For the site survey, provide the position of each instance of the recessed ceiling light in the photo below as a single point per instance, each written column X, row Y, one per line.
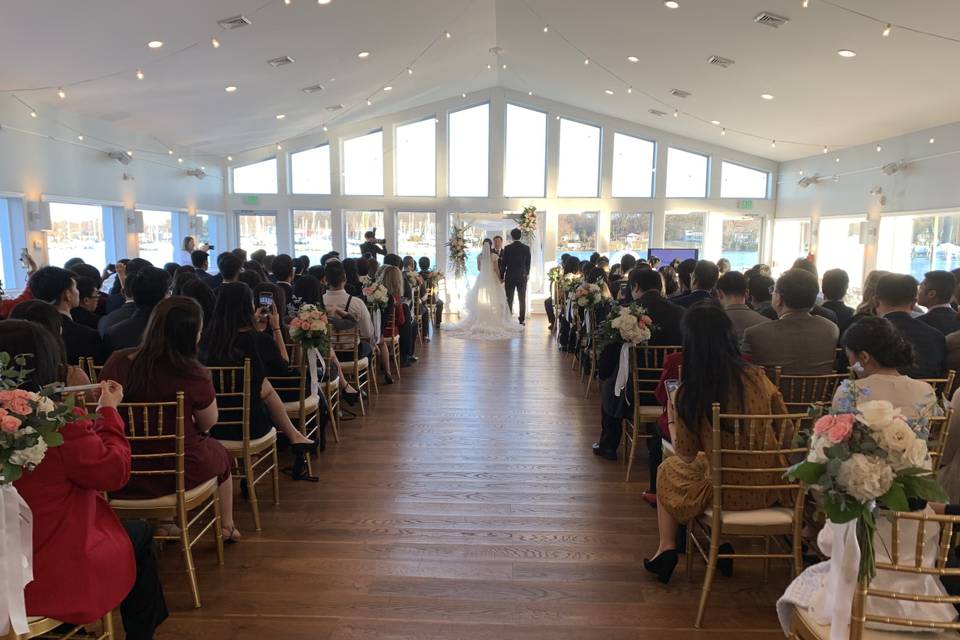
column 281, row 116
column 609, row 92
column 766, row 96
column 155, row 44
column 715, row 122
column 363, row 54
column 847, row 53
column 323, row 1
column 80, row 138
column 633, row 58
column 139, row 74
column 229, row 158
column 932, row 140
column 230, row 88
column 671, row 4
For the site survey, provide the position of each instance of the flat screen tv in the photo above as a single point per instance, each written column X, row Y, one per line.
column 669, row 255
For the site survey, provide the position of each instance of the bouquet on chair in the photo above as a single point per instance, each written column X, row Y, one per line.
column 413, row 279
column 377, row 297
column 587, row 295
column 630, row 324
column 571, row 281
column 311, row 329
column 555, row 274
column 864, row 456
column 433, row 282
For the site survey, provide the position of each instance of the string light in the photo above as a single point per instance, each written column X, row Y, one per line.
column 33, row 114
column 886, row 30
column 586, row 61
column 546, row 28
column 879, row 148
column 463, row 95
column 837, row 159
column 325, row 128
column 504, row 66
column 723, row 131
column 61, row 93
column 169, row 152
column 932, row 140
column 80, row 137
column 279, row 147
column 825, row 149
column 287, row 2
column 447, row 35
column 215, row 43
column 369, row 102
column 676, row 113
column 773, row 144
column 805, row 4
column 139, row 74
column 629, row 89
column 529, row 93
column 230, row 158
column 409, row 71
column 180, row 160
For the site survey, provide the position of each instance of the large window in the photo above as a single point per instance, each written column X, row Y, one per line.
column 312, row 234
column 363, row 165
column 417, row 234
column 526, row 153
column 258, row 231
column 629, row 233
column 791, row 240
column 577, row 234
column 416, row 159
column 256, row 178
column 686, row 174
column 579, row 170
column 738, row 181
column 917, row 244
column 358, row 223
column 740, row 242
column 633, row 162
column 156, row 241
column 684, row 231
column 310, row 171
column 838, row 247
column 76, row 232
column 469, row 152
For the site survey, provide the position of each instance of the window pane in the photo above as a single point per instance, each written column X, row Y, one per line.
column 156, row 241
column 417, row 234
column 208, row 234
column 526, row 153
column 686, row 174
column 633, row 160
column 579, row 171
column 629, row 233
column 577, row 234
column 312, row 234
column 358, row 223
column 258, row 232
column 310, row 171
column 469, row 152
column 363, row 165
column 76, row 232
column 839, row 247
column 684, row 231
column 741, row 242
column 416, row 159
column 917, row 244
column 791, row 240
column 737, row 181
column 256, row 178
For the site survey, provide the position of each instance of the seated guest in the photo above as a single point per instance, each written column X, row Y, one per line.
column 307, row 290
column 149, row 287
column 85, row 314
column 283, row 274
column 760, row 299
column 118, row 296
column 50, row 319
column 869, row 305
column 250, row 278
column 723, row 266
column 817, row 310
column 685, row 274
column 799, row 343
column 393, row 281
column 300, row 266
column 59, row 287
column 936, row 292
column 204, row 296
column 180, row 278
column 671, row 285
column 877, row 348
column 124, row 311
column 229, row 265
column 164, row 364
column 713, row 371
column 835, row 284
column 433, row 296
column 86, row 562
column 896, row 295
column 339, row 303
column 350, row 267
column 257, row 268
column 703, row 279
column 732, row 295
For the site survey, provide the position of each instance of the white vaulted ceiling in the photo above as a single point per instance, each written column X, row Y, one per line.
column 894, row 85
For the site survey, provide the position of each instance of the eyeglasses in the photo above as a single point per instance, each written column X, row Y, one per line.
column 773, row 289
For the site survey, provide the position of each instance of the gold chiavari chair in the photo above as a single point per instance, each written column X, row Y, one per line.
column 393, row 345
column 764, row 473
column 330, row 388
column 355, row 369
column 942, row 386
column 92, row 369
column 909, row 533
column 43, row 627
column 646, row 365
column 304, row 412
column 416, row 308
column 939, row 427
column 254, row 459
column 158, row 452
column 592, row 354
column 576, row 337
column 801, row 392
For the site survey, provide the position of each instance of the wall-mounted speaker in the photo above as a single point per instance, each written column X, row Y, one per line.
column 38, row 216
column 134, row 220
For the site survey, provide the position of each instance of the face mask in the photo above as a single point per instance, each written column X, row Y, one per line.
column 857, row 369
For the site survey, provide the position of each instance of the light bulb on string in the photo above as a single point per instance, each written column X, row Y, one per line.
column 180, row 160
column 886, row 30
column 325, row 128
column 773, row 144
column 805, row 4
column 629, row 89
column 139, row 74
column 214, row 43
column 279, row 147
column 723, row 131
column 586, row 61
column 80, row 137
column 504, row 66
column 825, row 149
column 287, row 2
column 409, row 71
column 61, row 93
column 447, row 35
column 879, row 148
column 230, row 158
column 33, row 114
column 529, row 93
column 463, row 95
column 676, row 113
column 546, row 28
column 369, row 102
column 169, row 152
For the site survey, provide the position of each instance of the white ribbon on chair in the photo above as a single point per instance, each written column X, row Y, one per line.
column 624, row 371
column 834, row 608
column 586, row 321
column 377, row 317
column 312, row 356
column 570, row 310
column 16, row 559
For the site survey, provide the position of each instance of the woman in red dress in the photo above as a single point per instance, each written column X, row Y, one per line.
column 393, row 281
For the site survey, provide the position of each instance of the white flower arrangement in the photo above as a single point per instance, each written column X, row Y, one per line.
column 377, row 297
column 527, row 222
column 588, row 295
column 633, row 323
column 457, row 246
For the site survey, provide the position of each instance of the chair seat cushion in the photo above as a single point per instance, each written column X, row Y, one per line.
column 770, row 517
column 169, row 500
column 362, row 363
column 805, row 619
column 235, row 447
column 310, row 405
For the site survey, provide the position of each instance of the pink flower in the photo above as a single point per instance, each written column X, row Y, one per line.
column 6, row 396
column 647, row 320
column 296, row 323
column 21, row 406
column 837, row 428
column 9, row 423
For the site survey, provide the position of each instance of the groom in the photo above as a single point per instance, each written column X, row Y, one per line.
column 514, row 271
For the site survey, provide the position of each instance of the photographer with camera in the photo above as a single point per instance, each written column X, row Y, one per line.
column 372, row 244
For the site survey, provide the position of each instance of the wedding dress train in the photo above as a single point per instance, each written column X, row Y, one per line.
column 488, row 315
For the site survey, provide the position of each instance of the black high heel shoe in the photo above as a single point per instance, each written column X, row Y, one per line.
column 300, row 469
column 351, row 398
column 663, row 565
column 387, row 379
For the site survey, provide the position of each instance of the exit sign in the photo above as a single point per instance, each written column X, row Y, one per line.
column 746, row 205
column 251, row 199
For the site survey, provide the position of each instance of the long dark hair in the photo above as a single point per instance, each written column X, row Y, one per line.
column 350, row 268
column 309, row 290
column 233, row 314
column 879, row 338
column 169, row 345
column 20, row 337
column 49, row 318
column 711, row 363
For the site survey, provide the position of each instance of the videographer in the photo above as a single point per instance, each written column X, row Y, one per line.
column 372, row 244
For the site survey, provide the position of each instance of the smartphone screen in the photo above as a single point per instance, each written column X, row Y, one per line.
column 266, row 299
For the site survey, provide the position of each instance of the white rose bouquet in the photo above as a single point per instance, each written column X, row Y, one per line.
column 863, row 457
column 587, row 295
column 457, row 246
column 377, row 297
column 527, row 222
column 555, row 274
column 629, row 324
column 311, row 329
column 570, row 282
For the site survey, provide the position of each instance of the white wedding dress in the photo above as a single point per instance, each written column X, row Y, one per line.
column 488, row 315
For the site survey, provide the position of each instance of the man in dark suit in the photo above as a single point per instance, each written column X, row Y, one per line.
column 515, row 270
column 702, row 281
column 59, row 287
column 896, row 295
column 201, row 262
column 283, row 271
column 150, row 286
column 935, row 294
column 432, row 297
column 372, row 244
column 834, row 286
column 760, row 289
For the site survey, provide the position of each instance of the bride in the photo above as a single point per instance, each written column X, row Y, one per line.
column 488, row 314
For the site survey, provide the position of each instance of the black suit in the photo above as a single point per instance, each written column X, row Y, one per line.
column 515, row 270
column 129, row 333
column 81, row 341
column 825, row 313
column 843, row 312
column 372, row 248
column 943, row 319
column 929, row 346
column 690, row 299
column 666, row 316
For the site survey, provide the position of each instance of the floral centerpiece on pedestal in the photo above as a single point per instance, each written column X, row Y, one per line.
column 863, row 457
column 377, row 297
column 310, row 328
column 457, row 246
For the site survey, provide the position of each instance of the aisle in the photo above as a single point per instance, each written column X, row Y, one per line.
column 468, row 506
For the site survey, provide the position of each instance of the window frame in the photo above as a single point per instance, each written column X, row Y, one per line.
column 489, row 105
column 709, row 174
column 600, row 148
column 546, row 147
column 767, row 190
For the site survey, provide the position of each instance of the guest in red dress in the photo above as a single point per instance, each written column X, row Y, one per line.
column 86, row 562
column 155, row 371
column 393, row 281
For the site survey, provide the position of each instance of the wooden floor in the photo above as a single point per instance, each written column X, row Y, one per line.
column 468, row 506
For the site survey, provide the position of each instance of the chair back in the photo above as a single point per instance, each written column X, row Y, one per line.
column 155, row 431
column 646, row 365
column 800, row 392
column 939, row 427
column 346, row 341
column 911, row 534
column 92, row 369
column 389, row 321
column 942, row 386
column 232, row 386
